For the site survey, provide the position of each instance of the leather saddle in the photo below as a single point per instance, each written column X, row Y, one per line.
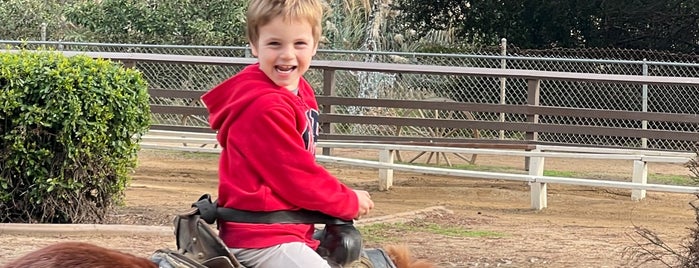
column 198, row 245
column 197, row 241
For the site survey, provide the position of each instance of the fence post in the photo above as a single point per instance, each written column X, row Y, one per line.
column 386, row 174
column 503, row 65
column 640, row 175
column 248, row 52
column 644, row 99
column 533, row 92
column 328, row 90
column 43, row 31
column 538, row 189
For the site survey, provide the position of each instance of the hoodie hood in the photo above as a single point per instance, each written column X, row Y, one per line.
column 226, row 101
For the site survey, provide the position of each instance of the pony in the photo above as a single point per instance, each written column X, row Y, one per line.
column 86, row 255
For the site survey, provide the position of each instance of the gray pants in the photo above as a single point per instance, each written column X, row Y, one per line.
column 291, row 255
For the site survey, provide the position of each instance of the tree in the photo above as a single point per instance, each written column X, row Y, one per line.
column 642, row 24
column 22, row 19
column 665, row 25
column 176, row 22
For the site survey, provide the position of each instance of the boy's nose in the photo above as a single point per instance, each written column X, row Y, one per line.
column 287, row 52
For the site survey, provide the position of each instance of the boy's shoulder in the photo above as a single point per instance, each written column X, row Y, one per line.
column 269, row 99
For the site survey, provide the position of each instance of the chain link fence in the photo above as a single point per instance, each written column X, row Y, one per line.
column 625, row 97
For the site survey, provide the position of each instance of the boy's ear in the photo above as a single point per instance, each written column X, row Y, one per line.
column 253, row 47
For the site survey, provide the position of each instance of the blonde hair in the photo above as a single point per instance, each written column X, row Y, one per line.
column 261, row 12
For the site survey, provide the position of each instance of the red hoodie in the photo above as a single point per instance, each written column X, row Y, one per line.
column 268, row 137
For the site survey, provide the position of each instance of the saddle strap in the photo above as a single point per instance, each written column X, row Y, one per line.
column 210, row 212
column 281, row 216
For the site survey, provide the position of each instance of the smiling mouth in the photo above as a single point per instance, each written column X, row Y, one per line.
column 285, row 68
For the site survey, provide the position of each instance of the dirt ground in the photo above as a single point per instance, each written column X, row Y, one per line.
column 582, row 226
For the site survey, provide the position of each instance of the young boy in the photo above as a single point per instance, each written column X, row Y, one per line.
column 267, row 122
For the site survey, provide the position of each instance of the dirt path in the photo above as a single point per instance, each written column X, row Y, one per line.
column 582, row 226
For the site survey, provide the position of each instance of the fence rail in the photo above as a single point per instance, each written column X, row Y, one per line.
column 206, row 142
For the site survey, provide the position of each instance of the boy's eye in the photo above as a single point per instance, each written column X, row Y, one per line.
column 300, row 43
column 273, row 43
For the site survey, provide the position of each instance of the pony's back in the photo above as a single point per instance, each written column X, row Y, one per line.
column 78, row 255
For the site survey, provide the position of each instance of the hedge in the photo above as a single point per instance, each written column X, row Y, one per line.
column 69, row 133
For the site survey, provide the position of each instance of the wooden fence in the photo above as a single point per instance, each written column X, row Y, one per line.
column 532, row 110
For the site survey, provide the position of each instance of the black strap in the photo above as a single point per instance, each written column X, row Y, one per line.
column 210, row 212
column 281, row 216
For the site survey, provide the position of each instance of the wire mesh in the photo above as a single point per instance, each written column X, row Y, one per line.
column 625, row 97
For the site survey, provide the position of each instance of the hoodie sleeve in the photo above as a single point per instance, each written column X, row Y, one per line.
column 291, row 172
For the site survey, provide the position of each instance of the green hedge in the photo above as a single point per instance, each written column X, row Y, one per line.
column 66, row 128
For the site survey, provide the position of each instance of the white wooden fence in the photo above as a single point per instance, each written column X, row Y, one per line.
column 205, row 142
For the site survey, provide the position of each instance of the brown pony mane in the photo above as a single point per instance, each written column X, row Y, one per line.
column 402, row 257
column 78, row 255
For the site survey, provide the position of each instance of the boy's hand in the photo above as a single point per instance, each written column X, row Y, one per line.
column 365, row 203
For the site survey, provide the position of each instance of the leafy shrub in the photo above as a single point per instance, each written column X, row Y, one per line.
column 66, row 135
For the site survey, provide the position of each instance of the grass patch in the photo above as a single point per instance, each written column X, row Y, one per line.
column 455, row 231
column 655, row 178
column 559, row 173
column 680, row 180
column 383, row 232
column 509, row 170
column 672, row 179
column 379, row 233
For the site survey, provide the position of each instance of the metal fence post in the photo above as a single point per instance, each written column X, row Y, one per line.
column 644, row 108
column 503, row 65
column 43, row 31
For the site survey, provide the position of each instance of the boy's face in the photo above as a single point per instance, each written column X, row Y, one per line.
column 284, row 50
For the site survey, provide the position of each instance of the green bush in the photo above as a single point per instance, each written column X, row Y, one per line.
column 66, row 135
